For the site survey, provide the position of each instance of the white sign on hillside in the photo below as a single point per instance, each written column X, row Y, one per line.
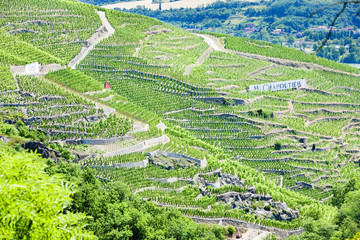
column 279, row 86
column 32, row 68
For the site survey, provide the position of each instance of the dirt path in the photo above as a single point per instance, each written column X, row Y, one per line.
column 189, row 108
column 105, row 31
column 200, row 61
column 291, row 108
column 211, row 40
column 16, row 82
column 44, row 69
column 252, row 234
column 252, row 228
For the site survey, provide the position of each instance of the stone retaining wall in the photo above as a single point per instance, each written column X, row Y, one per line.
column 141, row 164
column 131, row 149
column 98, row 141
column 139, row 147
column 281, row 172
column 201, row 163
column 174, row 179
column 239, row 223
column 222, row 101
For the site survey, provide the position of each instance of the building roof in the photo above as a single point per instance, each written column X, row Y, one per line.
column 107, row 85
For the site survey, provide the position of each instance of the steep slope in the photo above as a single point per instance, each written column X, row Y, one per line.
column 57, row 27
column 263, row 158
column 17, row 52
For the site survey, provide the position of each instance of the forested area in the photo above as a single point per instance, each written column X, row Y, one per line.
column 104, row 2
column 68, row 202
column 289, row 14
column 88, row 208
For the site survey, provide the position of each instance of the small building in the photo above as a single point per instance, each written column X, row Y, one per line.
column 277, row 31
column 249, row 30
column 309, row 44
column 347, row 29
column 107, row 85
column 320, row 28
column 299, row 35
column 32, row 68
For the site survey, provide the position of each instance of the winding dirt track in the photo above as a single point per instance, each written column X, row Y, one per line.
column 214, row 41
column 200, row 61
column 105, row 31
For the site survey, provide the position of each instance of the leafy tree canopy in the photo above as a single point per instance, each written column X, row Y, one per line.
column 32, row 202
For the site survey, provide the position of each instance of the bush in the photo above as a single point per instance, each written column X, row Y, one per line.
column 277, row 146
column 267, row 207
column 261, row 113
column 313, row 147
column 231, row 230
column 34, row 204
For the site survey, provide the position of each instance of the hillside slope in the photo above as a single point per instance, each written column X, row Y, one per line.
column 215, row 149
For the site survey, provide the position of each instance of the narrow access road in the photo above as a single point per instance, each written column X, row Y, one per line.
column 200, row 61
column 213, row 42
column 218, row 46
column 105, row 31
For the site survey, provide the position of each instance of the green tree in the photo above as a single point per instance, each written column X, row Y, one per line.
column 119, row 215
column 356, row 237
column 277, row 146
column 350, row 214
column 264, row 35
column 291, row 40
column 342, row 50
column 32, row 203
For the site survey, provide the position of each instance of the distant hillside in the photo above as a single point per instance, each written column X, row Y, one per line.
column 104, row 2
column 279, row 21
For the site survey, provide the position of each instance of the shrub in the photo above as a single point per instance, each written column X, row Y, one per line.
column 34, row 204
column 277, row 146
column 231, row 230
column 313, row 147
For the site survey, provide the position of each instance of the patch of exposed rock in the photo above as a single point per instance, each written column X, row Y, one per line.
column 4, row 139
column 248, row 200
column 42, row 149
column 158, row 31
column 261, row 205
column 170, row 163
column 221, row 179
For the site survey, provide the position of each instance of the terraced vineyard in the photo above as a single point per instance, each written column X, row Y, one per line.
column 212, row 148
column 60, row 114
column 57, row 27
